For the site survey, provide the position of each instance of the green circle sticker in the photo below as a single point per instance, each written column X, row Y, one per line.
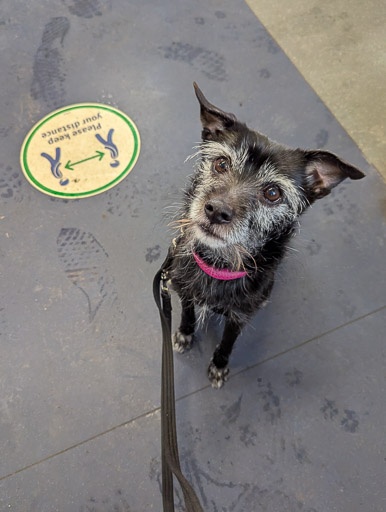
column 80, row 150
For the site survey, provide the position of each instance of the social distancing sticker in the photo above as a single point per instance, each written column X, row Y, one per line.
column 80, row 150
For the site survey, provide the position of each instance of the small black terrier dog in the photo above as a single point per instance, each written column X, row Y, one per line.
column 239, row 213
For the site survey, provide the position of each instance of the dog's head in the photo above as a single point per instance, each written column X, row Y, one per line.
column 248, row 189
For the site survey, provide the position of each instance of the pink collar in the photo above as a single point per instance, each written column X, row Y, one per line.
column 224, row 274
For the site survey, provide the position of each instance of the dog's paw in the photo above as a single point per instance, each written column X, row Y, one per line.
column 217, row 376
column 182, row 342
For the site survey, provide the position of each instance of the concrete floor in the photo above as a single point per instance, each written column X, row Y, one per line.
column 300, row 424
column 339, row 48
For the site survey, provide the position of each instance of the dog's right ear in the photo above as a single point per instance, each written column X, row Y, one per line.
column 325, row 171
column 214, row 121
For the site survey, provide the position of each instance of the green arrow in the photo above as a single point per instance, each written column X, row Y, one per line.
column 70, row 166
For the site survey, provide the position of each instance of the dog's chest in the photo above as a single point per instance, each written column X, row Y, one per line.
column 221, row 296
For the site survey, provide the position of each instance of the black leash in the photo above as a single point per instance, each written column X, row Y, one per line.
column 170, row 458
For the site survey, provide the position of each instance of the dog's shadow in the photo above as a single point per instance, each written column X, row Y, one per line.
column 252, row 347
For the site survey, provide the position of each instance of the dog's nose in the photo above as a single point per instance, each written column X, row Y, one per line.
column 218, row 212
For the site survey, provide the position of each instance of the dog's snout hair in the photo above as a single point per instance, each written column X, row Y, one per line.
column 240, row 211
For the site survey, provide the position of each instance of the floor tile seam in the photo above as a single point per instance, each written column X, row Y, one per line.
column 81, row 443
column 310, row 340
column 183, row 397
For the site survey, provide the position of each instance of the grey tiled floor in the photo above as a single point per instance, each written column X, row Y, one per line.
column 300, row 425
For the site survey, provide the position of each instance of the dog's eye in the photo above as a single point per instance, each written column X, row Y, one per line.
column 221, row 165
column 272, row 193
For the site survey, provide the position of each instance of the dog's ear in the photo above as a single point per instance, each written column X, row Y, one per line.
column 325, row 171
column 213, row 120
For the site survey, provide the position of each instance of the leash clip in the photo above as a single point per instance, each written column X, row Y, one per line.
column 165, row 278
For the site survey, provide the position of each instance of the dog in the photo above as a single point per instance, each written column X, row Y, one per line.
column 240, row 211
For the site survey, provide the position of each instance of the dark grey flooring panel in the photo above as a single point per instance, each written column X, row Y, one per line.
column 77, row 360
column 301, row 433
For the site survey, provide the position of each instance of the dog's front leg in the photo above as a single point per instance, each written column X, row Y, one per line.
column 218, row 368
column 183, row 337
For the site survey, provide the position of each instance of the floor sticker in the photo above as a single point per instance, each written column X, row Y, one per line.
column 80, row 150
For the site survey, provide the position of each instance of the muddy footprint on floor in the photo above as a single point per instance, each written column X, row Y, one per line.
column 85, row 263
column 48, row 73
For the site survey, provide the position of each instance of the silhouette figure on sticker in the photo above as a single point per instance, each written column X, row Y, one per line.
column 109, row 144
column 55, row 164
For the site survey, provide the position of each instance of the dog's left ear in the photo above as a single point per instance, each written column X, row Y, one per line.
column 325, row 171
column 214, row 121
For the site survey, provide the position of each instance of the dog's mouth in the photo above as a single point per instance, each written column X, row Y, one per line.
column 207, row 230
